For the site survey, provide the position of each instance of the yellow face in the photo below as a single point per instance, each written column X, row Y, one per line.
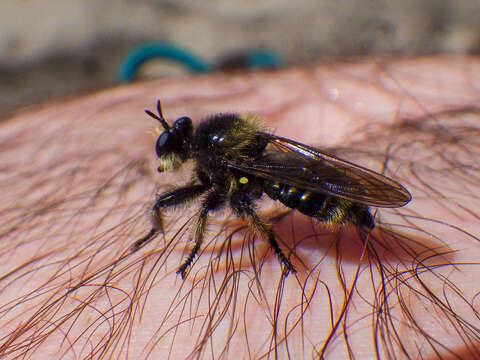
column 170, row 161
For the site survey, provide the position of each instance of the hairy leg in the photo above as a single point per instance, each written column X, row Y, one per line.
column 212, row 202
column 169, row 199
column 244, row 207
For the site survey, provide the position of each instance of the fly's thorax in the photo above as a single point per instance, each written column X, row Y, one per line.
column 228, row 136
column 251, row 186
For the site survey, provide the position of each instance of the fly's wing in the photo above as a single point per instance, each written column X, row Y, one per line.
column 305, row 167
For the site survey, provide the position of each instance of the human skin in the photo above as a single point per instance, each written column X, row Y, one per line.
column 77, row 179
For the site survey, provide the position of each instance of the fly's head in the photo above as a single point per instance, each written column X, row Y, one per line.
column 173, row 144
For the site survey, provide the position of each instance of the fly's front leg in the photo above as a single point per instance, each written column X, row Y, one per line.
column 175, row 197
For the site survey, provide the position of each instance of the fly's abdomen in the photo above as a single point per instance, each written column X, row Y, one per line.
column 304, row 201
column 328, row 209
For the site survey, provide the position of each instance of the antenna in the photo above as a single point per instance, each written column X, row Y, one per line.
column 159, row 117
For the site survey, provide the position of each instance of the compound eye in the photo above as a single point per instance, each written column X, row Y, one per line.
column 183, row 126
column 161, row 147
column 184, row 121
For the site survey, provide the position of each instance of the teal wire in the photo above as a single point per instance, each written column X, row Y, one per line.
column 143, row 53
column 264, row 60
column 150, row 51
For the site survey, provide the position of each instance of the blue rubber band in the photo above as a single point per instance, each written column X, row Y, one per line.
column 146, row 52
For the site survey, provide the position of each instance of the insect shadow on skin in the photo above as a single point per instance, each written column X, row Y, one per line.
column 235, row 163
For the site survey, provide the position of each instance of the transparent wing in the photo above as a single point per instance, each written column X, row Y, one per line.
column 305, row 167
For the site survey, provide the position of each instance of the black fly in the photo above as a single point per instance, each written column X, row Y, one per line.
column 235, row 163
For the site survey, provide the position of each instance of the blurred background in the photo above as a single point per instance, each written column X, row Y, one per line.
column 52, row 48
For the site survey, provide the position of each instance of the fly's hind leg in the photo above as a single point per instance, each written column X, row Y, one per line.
column 171, row 198
column 212, row 202
column 244, row 207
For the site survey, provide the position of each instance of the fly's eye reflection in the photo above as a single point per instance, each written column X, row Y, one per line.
column 248, row 163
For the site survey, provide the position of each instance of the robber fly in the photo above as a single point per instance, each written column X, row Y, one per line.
column 235, row 163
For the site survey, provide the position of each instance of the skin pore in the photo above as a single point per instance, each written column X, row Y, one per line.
column 78, row 178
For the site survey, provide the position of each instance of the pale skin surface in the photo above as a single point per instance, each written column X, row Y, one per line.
column 77, row 179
